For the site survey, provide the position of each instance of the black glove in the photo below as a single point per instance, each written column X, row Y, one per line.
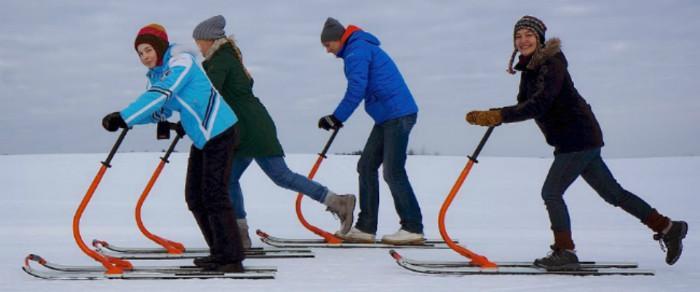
column 113, row 122
column 178, row 129
column 329, row 122
column 164, row 128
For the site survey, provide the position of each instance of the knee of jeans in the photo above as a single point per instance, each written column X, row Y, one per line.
column 615, row 203
column 279, row 173
column 281, row 180
column 392, row 174
column 616, row 199
column 363, row 166
column 549, row 195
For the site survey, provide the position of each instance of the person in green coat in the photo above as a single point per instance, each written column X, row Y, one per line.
column 224, row 66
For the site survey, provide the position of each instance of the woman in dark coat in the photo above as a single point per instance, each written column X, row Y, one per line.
column 224, row 66
column 548, row 96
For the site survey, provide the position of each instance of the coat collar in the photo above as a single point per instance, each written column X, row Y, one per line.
column 158, row 70
column 550, row 48
column 346, row 38
column 215, row 47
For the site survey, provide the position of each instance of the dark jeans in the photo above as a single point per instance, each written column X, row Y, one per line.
column 276, row 169
column 206, row 193
column 387, row 144
column 589, row 165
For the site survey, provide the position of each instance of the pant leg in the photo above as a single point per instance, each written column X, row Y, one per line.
column 240, row 164
column 599, row 177
column 217, row 160
column 278, row 171
column 193, row 194
column 367, row 168
column 563, row 172
column 396, row 134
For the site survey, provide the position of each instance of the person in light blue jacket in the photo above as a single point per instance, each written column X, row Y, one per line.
column 374, row 78
column 176, row 83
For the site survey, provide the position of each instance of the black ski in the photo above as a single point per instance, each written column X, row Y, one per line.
column 103, row 246
column 67, row 272
column 586, row 270
column 320, row 243
column 191, row 255
column 459, row 264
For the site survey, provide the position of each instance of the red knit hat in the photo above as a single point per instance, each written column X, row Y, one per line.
column 153, row 34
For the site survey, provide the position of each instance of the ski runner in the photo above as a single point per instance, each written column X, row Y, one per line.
column 373, row 77
column 176, row 83
column 547, row 94
column 223, row 64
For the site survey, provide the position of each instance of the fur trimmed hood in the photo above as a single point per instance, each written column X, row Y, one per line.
column 551, row 47
column 216, row 45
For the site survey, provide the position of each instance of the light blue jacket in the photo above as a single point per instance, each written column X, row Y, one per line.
column 181, row 85
column 373, row 77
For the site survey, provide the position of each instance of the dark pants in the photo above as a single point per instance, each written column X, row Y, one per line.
column 589, row 165
column 206, row 193
column 387, row 145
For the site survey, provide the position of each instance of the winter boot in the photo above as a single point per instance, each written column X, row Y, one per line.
column 558, row 259
column 203, row 262
column 342, row 206
column 403, row 237
column 232, row 267
column 226, row 245
column 672, row 240
column 358, row 236
column 243, row 230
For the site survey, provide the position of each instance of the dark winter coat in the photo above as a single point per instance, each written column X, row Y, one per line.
column 258, row 135
column 373, row 77
column 548, row 95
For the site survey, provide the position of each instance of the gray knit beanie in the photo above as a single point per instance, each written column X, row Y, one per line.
column 210, row 29
column 332, row 30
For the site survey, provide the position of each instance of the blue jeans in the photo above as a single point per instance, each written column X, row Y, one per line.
column 276, row 169
column 589, row 165
column 387, row 145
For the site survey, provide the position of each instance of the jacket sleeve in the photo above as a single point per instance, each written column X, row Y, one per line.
column 356, row 71
column 548, row 84
column 148, row 108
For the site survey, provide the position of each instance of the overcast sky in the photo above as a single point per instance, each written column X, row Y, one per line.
column 65, row 64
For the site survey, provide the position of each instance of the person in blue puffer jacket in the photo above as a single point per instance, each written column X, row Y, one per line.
column 373, row 77
column 176, row 83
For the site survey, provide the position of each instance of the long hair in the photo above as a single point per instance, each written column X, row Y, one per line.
column 239, row 55
column 236, row 51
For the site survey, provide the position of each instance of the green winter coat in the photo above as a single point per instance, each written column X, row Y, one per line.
column 226, row 72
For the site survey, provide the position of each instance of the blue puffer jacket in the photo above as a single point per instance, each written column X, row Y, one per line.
column 181, row 85
column 374, row 77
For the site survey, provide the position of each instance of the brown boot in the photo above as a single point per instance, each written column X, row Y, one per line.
column 563, row 240
column 656, row 221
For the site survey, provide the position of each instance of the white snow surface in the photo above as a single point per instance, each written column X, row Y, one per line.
column 498, row 213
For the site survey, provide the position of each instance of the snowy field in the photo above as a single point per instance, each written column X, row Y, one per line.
column 498, row 213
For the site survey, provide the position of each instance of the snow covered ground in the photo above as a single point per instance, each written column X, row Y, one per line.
column 498, row 213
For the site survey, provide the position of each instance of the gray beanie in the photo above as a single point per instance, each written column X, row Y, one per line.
column 332, row 30
column 210, row 29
